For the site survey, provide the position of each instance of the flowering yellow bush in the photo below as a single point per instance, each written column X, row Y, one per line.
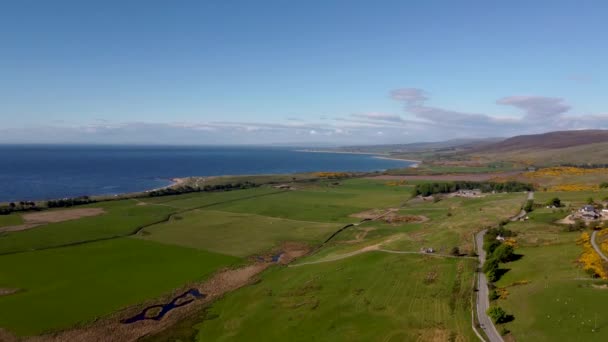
column 400, row 183
column 589, row 259
column 331, row 174
column 563, row 171
column 574, row 187
column 502, row 293
column 511, row 242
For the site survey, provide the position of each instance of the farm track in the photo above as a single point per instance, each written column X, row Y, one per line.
column 140, row 228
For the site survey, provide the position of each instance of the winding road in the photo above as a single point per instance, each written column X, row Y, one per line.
column 596, row 247
column 483, row 299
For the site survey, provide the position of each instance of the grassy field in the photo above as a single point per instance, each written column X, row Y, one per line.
column 234, row 233
column 369, row 297
column 549, row 294
column 453, row 221
column 363, row 296
column 325, row 202
column 121, row 218
column 10, row 220
column 62, row 287
column 203, row 199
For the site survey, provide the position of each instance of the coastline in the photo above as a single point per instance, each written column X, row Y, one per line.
column 180, row 181
column 375, row 155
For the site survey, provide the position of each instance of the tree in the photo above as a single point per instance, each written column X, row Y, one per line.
column 555, row 201
column 455, row 251
column 491, row 264
column 529, row 206
column 590, row 201
column 497, row 314
column 503, row 253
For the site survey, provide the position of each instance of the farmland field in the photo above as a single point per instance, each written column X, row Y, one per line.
column 369, row 297
column 59, row 288
column 233, row 233
column 355, row 285
column 549, row 294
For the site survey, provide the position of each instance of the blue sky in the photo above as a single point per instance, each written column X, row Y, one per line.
column 339, row 72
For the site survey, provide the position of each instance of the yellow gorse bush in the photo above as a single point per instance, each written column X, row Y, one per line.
column 574, row 187
column 589, row 259
column 331, row 174
column 563, row 171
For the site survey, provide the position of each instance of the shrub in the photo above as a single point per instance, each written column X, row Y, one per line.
column 497, row 314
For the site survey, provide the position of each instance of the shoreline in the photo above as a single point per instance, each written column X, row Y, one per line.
column 374, row 155
column 178, row 181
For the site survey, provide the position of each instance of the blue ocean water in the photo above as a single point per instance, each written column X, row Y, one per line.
column 36, row 172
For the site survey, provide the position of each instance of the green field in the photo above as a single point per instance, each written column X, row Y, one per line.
column 325, row 202
column 342, row 294
column 549, row 295
column 369, row 297
column 234, row 233
column 10, row 220
column 63, row 287
column 121, row 218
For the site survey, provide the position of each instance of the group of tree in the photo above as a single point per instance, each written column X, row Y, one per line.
column 585, row 166
column 206, row 188
column 70, row 202
column 554, row 202
column 497, row 252
column 529, row 206
column 427, row 189
column 18, row 206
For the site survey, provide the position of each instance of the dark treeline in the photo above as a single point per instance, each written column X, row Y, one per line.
column 18, row 206
column 206, row 188
column 427, row 189
column 585, row 166
column 70, row 202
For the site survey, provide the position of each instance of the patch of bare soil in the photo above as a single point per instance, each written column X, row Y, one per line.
column 478, row 177
column 293, row 250
column 112, row 330
column 389, row 216
column 6, row 292
column 32, row 220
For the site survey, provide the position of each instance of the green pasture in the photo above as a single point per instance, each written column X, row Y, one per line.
column 235, row 233
column 10, row 220
column 325, row 202
column 121, row 218
column 59, row 288
column 370, row 297
column 560, row 302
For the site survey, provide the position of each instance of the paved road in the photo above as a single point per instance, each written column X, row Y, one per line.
column 596, row 247
column 483, row 299
column 523, row 213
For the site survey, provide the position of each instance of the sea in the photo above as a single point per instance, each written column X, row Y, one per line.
column 39, row 172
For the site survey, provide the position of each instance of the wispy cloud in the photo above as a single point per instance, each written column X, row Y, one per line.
column 417, row 121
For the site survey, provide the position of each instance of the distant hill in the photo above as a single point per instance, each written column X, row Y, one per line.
column 553, row 148
column 551, row 140
column 453, row 144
